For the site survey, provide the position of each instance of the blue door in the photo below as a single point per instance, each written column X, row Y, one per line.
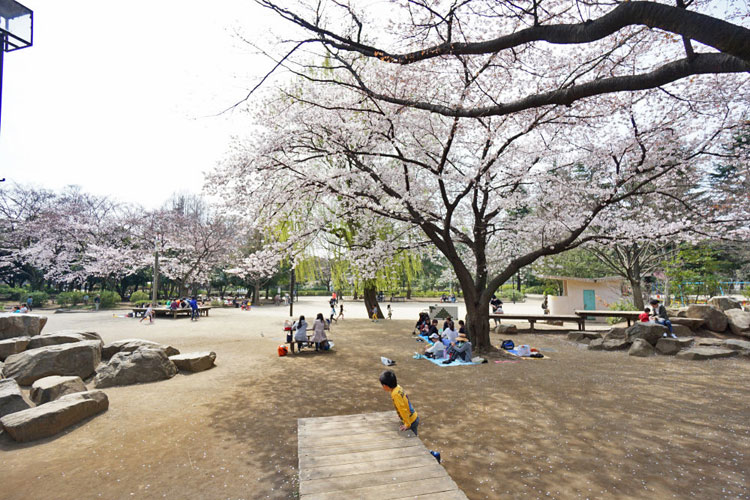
column 589, row 300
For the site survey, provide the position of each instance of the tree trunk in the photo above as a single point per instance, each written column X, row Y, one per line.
column 635, row 285
column 371, row 300
column 256, row 293
column 408, row 291
column 478, row 324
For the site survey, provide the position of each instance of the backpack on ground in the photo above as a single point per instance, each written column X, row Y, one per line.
column 507, row 345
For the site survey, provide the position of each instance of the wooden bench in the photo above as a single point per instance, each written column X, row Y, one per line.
column 310, row 335
column 163, row 311
column 533, row 318
column 628, row 315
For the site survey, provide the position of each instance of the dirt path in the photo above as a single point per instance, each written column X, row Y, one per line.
column 579, row 425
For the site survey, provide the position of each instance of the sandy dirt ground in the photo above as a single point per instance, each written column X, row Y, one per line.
column 581, row 424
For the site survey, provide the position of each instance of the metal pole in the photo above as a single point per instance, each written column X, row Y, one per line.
column 291, row 293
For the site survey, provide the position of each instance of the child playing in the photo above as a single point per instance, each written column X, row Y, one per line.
column 645, row 316
column 389, row 311
column 409, row 417
column 374, row 313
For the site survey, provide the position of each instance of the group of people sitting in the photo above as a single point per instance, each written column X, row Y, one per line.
column 657, row 314
column 319, row 338
column 449, row 343
column 448, row 298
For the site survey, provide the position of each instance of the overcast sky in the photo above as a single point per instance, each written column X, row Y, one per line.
column 116, row 96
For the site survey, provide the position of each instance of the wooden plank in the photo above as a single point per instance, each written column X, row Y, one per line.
column 362, row 417
column 345, row 448
column 434, row 470
column 306, row 461
column 331, row 471
column 344, row 430
column 356, row 438
column 389, row 491
column 443, row 495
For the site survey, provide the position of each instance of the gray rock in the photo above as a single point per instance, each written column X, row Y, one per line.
column 692, row 323
column 194, row 361
column 641, row 348
column 702, row 353
column 616, row 344
column 709, row 342
column 13, row 346
column 670, row 346
column 583, row 337
column 79, row 358
column 596, row 345
column 50, row 418
column 650, row 332
column 130, row 345
column 739, row 322
column 681, row 312
column 63, row 337
column 743, row 346
column 11, row 398
column 715, row 319
column 724, row 303
column 51, row 388
column 615, row 333
column 135, row 367
column 21, row 325
column 506, row 329
column 682, row 330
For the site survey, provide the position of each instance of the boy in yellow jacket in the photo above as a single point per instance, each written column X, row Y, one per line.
column 409, row 417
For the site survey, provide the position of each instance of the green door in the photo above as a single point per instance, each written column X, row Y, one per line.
column 589, row 300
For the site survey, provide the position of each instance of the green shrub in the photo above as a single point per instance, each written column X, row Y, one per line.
column 38, row 299
column 217, row 303
column 15, row 294
column 109, row 299
column 69, row 298
column 140, row 298
column 623, row 305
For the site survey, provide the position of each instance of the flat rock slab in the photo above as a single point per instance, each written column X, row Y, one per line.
column 79, row 359
column 11, row 398
column 616, row 344
column 13, row 346
column 51, row 388
column 692, row 323
column 63, row 337
column 194, row 361
column 583, row 337
column 670, row 346
column 50, row 418
column 130, row 345
column 137, row 367
column 743, row 346
column 702, row 353
column 21, row 325
column 366, row 457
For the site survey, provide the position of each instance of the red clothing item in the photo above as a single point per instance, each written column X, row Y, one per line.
column 644, row 317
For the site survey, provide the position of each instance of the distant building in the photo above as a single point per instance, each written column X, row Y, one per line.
column 585, row 293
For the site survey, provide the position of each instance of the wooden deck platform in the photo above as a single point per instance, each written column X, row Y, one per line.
column 365, row 456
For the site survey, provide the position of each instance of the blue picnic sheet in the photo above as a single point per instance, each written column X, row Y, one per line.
column 439, row 361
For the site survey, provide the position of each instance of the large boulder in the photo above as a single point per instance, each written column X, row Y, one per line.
column 21, row 325
column 79, row 358
column 724, row 303
column 650, row 332
column 63, row 337
column 194, row 361
column 743, row 346
column 616, row 344
column 670, row 346
column 135, row 367
column 51, row 388
column 739, row 322
column 13, row 346
column 130, row 345
column 583, row 337
column 641, row 348
column 50, row 418
column 703, row 353
column 714, row 319
column 506, row 329
column 692, row 323
column 11, row 398
column 682, row 330
column 616, row 332
column 596, row 345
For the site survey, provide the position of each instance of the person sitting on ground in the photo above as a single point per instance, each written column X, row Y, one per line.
column 300, row 332
column 461, row 326
column 437, row 349
column 432, row 328
column 450, row 333
column 319, row 331
column 23, row 309
column 660, row 316
column 460, row 350
column 645, row 316
column 16, row 309
column 447, row 322
column 423, row 319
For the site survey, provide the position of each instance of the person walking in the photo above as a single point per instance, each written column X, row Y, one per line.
column 341, row 313
column 193, row 309
column 29, row 302
column 148, row 314
column 98, row 301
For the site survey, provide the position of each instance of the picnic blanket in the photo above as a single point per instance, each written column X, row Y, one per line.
column 439, row 361
column 515, row 353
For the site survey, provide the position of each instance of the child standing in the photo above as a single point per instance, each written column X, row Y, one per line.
column 375, row 313
column 390, row 312
column 409, row 417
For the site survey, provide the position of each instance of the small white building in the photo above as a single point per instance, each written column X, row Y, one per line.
column 585, row 293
